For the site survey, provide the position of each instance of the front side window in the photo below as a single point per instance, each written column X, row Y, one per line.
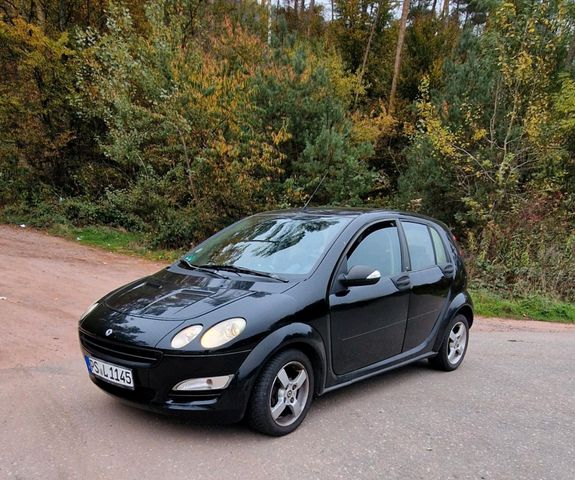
column 378, row 248
column 276, row 244
column 419, row 244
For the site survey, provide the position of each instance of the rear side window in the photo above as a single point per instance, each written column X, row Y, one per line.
column 440, row 254
column 420, row 245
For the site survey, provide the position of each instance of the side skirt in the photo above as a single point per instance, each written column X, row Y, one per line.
column 378, row 372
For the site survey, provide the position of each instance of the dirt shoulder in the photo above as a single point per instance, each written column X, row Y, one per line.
column 46, row 283
column 484, row 324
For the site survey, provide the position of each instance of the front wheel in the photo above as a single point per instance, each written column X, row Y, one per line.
column 454, row 345
column 282, row 394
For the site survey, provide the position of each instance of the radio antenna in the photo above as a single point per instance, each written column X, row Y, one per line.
column 315, row 191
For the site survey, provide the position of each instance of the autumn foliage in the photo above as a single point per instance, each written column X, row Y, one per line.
column 175, row 117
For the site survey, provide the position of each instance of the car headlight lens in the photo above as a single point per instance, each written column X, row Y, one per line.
column 87, row 312
column 223, row 332
column 185, row 336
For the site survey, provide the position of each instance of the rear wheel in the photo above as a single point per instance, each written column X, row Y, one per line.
column 282, row 394
column 454, row 345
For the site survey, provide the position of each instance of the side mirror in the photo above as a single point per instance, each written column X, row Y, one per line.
column 360, row 275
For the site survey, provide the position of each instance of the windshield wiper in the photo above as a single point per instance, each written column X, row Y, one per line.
column 249, row 271
column 191, row 266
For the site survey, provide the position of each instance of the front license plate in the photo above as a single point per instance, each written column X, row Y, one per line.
column 110, row 373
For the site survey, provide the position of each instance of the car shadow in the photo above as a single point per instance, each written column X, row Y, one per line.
column 389, row 379
column 179, row 425
column 324, row 406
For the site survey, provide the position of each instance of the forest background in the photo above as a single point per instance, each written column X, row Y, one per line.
column 151, row 125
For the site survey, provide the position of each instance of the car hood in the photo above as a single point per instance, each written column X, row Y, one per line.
column 174, row 294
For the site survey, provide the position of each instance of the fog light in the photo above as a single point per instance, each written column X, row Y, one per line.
column 207, row 383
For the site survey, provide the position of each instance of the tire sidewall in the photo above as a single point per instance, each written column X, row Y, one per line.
column 445, row 346
column 271, row 369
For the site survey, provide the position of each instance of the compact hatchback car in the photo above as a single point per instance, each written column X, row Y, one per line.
column 278, row 308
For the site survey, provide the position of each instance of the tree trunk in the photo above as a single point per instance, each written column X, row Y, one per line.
column 40, row 15
column 310, row 14
column 367, row 48
column 570, row 54
column 270, row 12
column 61, row 15
column 397, row 65
column 445, row 13
column 433, row 7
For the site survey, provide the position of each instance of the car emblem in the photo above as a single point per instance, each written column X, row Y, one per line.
column 109, row 332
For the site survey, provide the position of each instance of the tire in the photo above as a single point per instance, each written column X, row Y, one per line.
column 278, row 405
column 454, row 345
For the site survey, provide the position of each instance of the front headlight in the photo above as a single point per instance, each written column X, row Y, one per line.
column 185, row 336
column 87, row 312
column 223, row 332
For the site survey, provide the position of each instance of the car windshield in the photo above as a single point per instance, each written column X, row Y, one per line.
column 279, row 245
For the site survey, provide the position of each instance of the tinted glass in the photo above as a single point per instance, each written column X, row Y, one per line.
column 271, row 244
column 378, row 249
column 440, row 254
column 419, row 244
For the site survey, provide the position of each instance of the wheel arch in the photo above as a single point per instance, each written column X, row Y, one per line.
column 298, row 336
column 467, row 312
column 460, row 305
column 315, row 359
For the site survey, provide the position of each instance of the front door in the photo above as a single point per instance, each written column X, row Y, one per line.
column 368, row 322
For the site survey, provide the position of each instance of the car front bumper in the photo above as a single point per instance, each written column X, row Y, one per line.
column 156, row 373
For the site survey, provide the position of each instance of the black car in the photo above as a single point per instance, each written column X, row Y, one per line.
column 278, row 308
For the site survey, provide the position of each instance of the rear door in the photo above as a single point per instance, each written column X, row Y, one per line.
column 431, row 273
column 368, row 322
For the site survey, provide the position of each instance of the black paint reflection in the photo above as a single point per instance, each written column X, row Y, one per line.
column 169, row 295
column 124, row 330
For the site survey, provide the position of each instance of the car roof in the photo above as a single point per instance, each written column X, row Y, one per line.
column 344, row 212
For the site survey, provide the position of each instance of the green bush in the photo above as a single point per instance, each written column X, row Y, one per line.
column 528, row 252
column 177, row 229
column 39, row 215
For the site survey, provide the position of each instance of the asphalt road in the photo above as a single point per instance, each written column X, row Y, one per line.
column 507, row 413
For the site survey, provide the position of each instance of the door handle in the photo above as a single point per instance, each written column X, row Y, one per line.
column 402, row 283
column 448, row 270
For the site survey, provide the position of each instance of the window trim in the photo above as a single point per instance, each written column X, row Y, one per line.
column 426, row 224
column 402, row 248
column 447, row 256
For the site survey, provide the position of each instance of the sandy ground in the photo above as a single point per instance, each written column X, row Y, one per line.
column 46, row 283
column 507, row 413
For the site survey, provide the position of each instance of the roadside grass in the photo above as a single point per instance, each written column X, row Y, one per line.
column 486, row 303
column 114, row 240
column 533, row 307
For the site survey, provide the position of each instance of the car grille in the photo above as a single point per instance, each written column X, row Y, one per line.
column 134, row 355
